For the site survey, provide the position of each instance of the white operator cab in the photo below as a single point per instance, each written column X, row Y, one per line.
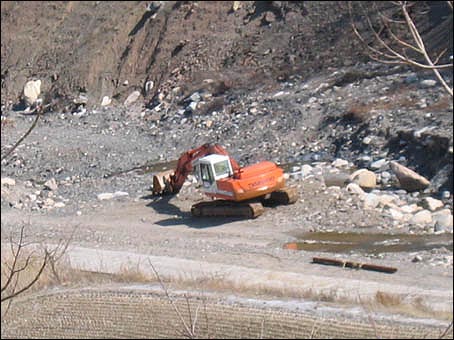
column 211, row 168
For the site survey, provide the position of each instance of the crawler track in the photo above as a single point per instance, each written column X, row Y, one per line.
column 227, row 209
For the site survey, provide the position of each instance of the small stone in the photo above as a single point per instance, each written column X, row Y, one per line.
column 195, row 97
column 364, row 178
column 49, row 202
column 421, row 217
column 417, row 258
column 443, row 219
column 428, row 83
column 339, row 163
column 396, row 214
column 105, row 196
column 354, row 188
column 8, row 181
column 446, row 194
column 117, row 194
column 192, row 106
column 367, row 140
column 410, row 209
column 132, row 98
column 149, row 86
column 306, row 170
column 371, row 201
column 32, row 89
column 379, row 164
column 431, row 204
column 105, row 101
column 51, row 184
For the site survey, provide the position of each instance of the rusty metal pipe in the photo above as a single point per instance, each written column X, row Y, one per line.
column 356, row 265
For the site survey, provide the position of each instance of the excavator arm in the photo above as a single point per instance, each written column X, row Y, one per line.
column 170, row 182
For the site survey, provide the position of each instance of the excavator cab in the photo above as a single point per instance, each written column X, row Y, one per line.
column 211, row 168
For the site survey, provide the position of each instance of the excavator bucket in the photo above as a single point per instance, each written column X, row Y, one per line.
column 160, row 181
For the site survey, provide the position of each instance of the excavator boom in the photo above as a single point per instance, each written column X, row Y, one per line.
column 170, row 182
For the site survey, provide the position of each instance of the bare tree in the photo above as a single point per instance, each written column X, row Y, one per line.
column 189, row 329
column 23, row 261
column 20, row 140
column 13, row 271
column 396, row 38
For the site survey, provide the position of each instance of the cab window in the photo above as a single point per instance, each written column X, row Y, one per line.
column 205, row 173
column 222, row 168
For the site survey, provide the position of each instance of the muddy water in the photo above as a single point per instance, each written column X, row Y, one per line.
column 369, row 243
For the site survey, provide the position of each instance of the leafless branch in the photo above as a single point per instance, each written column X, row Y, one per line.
column 38, row 115
column 187, row 329
column 22, row 261
column 442, row 335
column 13, row 294
column 394, row 51
column 16, row 254
column 57, row 253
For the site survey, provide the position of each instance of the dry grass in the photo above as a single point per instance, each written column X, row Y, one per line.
column 70, row 277
column 387, row 299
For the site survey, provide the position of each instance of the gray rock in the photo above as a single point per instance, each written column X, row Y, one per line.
column 371, row 201
column 381, row 163
column 422, row 217
column 132, row 98
column 105, row 101
column 354, row 188
column 117, row 194
column 411, row 78
column 340, row 163
column 32, row 89
column 443, row 220
column 367, row 140
column 192, row 106
column 408, row 179
column 431, row 204
column 105, row 196
column 428, row 83
column 410, row 208
column 195, row 97
column 306, row 170
column 51, row 184
column 336, row 179
column 364, row 178
column 149, row 86
column 446, row 194
column 8, row 181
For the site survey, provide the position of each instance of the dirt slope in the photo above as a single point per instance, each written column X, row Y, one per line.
column 93, row 47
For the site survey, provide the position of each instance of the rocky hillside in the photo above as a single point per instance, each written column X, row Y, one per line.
column 222, row 67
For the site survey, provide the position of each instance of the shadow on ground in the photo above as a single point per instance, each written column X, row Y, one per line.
column 162, row 205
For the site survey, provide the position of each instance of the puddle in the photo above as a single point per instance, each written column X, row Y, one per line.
column 333, row 242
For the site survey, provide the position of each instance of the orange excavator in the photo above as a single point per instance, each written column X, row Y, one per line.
column 238, row 191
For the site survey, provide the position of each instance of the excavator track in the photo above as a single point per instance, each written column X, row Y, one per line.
column 227, row 209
